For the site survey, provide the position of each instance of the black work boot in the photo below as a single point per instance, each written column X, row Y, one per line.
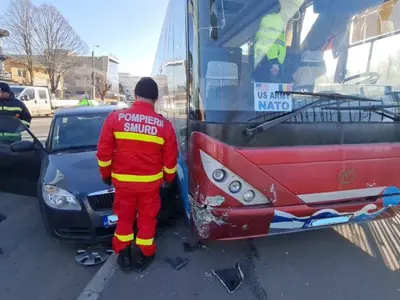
column 140, row 262
column 125, row 261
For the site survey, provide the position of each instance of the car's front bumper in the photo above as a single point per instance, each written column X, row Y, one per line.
column 86, row 225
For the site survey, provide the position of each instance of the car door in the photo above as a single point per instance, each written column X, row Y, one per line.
column 44, row 102
column 20, row 162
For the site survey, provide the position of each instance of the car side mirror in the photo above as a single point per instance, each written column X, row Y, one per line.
column 22, row 146
column 24, row 98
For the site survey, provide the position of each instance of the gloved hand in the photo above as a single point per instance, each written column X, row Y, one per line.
column 107, row 181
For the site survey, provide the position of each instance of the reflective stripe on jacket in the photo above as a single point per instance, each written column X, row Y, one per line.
column 270, row 39
column 137, row 146
column 14, row 108
column 84, row 102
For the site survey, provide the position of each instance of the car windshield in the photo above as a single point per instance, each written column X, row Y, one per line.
column 17, row 90
column 250, row 50
column 76, row 132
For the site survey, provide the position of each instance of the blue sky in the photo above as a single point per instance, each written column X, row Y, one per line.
column 128, row 29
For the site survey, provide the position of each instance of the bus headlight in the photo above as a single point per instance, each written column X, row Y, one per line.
column 249, row 196
column 231, row 183
column 235, row 186
column 219, row 175
column 59, row 199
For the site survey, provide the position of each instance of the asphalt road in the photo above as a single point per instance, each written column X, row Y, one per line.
column 33, row 265
column 347, row 263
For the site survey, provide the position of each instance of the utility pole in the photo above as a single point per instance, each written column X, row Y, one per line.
column 93, row 79
column 93, row 75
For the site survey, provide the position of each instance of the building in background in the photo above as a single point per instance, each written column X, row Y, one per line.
column 78, row 80
column 19, row 72
column 128, row 83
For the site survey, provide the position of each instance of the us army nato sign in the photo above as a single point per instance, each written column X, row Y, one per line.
column 270, row 97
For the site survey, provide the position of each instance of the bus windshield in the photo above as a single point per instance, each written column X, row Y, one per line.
column 243, row 56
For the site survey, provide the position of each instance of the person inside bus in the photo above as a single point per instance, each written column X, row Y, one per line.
column 270, row 41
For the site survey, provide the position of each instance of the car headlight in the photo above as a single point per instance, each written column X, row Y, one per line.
column 59, row 199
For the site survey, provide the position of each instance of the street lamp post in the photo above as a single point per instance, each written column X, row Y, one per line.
column 93, row 74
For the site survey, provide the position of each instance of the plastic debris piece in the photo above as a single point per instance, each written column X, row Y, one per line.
column 231, row 278
column 2, row 217
column 1, row 251
column 191, row 248
column 177, row 263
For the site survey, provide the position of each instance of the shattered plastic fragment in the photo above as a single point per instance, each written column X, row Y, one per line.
column 231, row 278
column 191, row 248
column 2, row 217
column 177, row 263
column 214, row 201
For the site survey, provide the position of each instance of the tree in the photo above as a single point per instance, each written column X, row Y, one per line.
column 18, row 20
column 57, row 44
column 102, row 87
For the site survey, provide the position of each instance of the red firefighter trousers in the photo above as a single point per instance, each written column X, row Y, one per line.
column 128, row 205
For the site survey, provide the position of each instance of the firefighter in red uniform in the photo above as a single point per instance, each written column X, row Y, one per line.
column 137, row 152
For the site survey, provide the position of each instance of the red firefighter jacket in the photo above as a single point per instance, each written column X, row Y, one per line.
column 137, row 148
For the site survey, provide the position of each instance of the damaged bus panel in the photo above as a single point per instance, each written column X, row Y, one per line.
column 286, row 111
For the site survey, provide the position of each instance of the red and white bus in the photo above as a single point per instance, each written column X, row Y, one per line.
column 271, row 147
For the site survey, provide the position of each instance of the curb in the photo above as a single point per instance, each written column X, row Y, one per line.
column 95, row 287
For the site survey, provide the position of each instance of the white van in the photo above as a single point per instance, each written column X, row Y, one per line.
column 37, row 99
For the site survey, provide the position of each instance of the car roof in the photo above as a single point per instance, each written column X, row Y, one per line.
column 84, row 110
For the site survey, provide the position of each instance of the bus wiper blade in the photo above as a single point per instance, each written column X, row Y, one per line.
column 324, row 98
column 378, row 109
column 333, row 96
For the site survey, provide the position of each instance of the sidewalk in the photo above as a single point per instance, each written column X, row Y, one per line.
column 328, row 263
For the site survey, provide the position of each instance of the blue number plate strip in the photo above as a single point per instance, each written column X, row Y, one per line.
column 109, row 221
column 329, row 221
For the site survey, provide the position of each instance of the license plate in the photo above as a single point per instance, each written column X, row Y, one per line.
column 329, row 221
column 110, row 220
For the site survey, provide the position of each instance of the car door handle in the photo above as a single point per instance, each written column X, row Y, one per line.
column 35, row 101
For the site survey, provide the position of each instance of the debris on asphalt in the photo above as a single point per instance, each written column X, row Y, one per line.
column 177, row 263
column 253, row 251
column 192, row 247
column 1, row 251
column 231, row 278
column 2, row 218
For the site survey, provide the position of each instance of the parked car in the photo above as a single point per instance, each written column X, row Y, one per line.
column 63, row 174
column 120, row 104
column 37, row 99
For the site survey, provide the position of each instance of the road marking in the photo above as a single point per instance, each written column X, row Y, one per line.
column 95, row 287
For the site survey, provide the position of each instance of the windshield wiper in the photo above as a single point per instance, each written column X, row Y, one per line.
column 325, row 98
column 74, row 148
column 378, row 109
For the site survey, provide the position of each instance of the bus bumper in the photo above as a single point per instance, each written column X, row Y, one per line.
column 213, row 223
